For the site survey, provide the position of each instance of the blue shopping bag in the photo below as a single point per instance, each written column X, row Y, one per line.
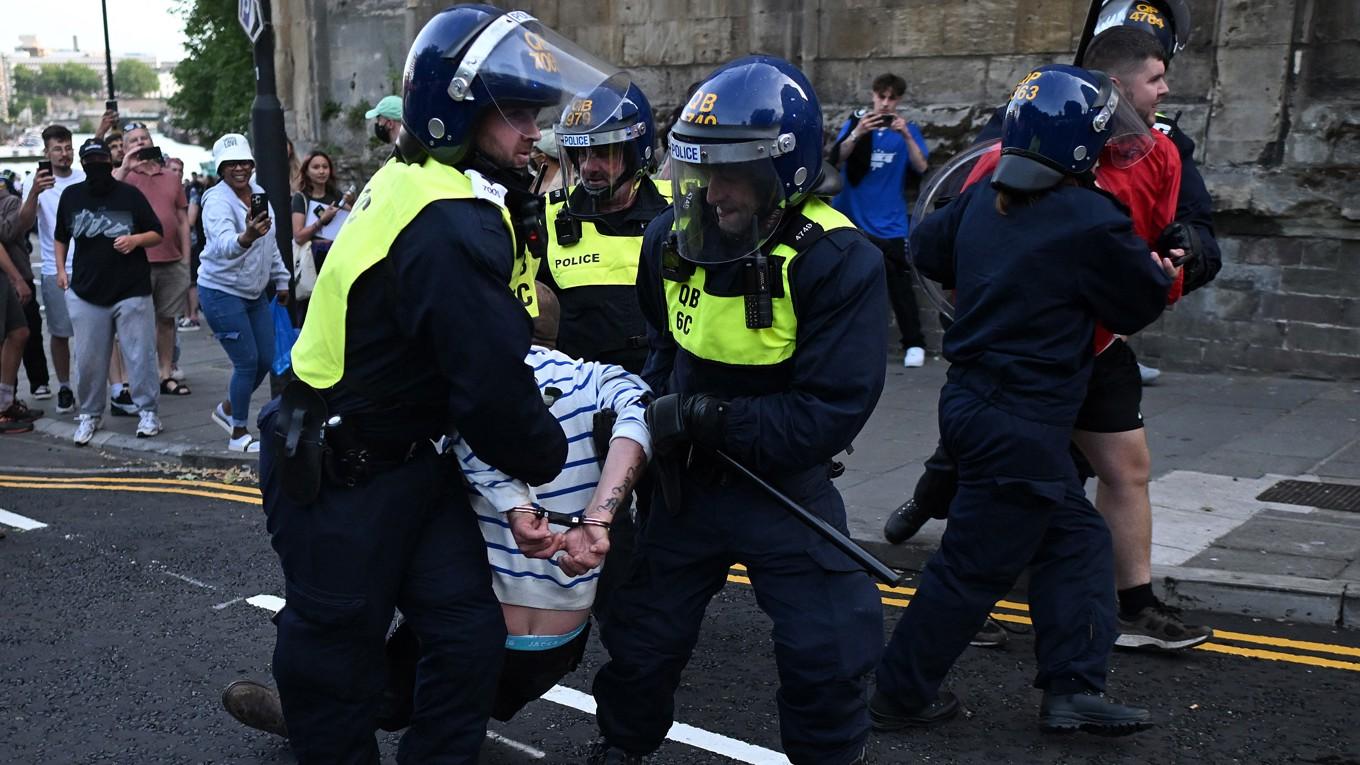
column 285, row 334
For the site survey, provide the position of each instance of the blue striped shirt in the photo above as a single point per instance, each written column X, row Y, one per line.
column 585, row 388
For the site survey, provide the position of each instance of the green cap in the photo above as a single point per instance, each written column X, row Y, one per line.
column 389, row 107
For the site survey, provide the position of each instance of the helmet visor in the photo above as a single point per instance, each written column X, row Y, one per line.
column 597, row 153
column 728, row 199
column 527, row 70
column 1130, row 138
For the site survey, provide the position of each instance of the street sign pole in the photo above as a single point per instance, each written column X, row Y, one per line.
column 266, row 126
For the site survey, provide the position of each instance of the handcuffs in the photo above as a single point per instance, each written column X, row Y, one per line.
column 560, row 519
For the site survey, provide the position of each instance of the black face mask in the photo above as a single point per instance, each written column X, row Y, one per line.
column 382, row 131
column 100, row 177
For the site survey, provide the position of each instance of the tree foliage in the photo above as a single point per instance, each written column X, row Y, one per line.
column 74, row 80
column 217, row 79
column 135, row 79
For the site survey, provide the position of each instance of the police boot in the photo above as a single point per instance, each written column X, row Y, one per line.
column 255, row 706
column 904, row 522
column 888, row 715
column 1090, row 712
column 601, row 753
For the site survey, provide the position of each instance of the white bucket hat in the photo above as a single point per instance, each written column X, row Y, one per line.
column 232, row 147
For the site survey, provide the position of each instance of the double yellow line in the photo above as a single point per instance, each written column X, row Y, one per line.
column 249, row 495
column 1261, row 647
column 1299, row 651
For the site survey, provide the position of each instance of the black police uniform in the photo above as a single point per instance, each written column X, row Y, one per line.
column 1195, row 208
column 1030, row 286
column 435, row 343
column 785, row 421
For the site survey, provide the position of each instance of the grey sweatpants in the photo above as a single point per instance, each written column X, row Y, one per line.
column 134, row 321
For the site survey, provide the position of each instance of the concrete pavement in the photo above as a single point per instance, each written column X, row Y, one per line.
column 1218, row 442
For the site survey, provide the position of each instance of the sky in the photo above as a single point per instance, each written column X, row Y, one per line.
column 135, row 26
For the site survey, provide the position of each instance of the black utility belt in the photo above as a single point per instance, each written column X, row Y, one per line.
column 350, row 461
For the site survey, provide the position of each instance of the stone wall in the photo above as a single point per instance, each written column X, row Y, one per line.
column 1267, row 88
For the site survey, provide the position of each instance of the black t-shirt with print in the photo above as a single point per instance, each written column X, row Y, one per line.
column 99, row 273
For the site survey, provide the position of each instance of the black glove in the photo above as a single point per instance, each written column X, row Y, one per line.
column 1179, row 236
column 674, row 420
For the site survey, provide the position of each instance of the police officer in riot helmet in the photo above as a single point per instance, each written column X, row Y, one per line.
column 417, row 328
column 1036, row 257
column 764, row 316
column 605, row 140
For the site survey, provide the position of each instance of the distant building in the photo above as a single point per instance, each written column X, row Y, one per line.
column 4, row 88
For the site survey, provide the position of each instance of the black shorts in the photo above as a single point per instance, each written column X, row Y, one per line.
column 527, row 675
column 1115, row 393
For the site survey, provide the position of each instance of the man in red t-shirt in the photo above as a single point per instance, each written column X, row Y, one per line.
column 142, row 168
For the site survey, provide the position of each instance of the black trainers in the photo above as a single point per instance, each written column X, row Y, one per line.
column 21, row 411
column 601, row 753
column 904, row 522
column 255, row 705
column 1160, row 626
column 66, row 401
column 888, row 715
column 1092, row 713
column 992, row 635
column 10, row 425
column 122, row 406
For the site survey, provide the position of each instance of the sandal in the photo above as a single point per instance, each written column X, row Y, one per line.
column 172, row 387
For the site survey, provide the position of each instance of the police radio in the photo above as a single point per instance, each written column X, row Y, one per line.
column 526, row 215
column 674, row 267
column 759, row 306
column 566, row 229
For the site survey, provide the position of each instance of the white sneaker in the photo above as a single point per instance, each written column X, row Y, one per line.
column 149, row 424
column 42, row 392
column 915, row 357
column 1148, row 374
column 246, row 444
column 220, row 417
column 85, row 428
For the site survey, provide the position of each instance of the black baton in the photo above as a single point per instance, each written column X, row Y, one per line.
column 832, row 534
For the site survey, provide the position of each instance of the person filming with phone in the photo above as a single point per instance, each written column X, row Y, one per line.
column 239, row 263
column 143, row 167
column 878, row 152
column 318, row 207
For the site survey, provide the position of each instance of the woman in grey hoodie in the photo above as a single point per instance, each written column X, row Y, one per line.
column 240, row 262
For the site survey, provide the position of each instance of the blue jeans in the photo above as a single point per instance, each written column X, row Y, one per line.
column 245, row 329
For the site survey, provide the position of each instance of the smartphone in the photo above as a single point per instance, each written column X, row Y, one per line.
column 111, row 105
column 318, row 210
column 45, row 164
column 152, row 153
column 259, row 203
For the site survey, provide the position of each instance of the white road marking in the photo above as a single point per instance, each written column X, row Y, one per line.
column 189, row 579
column 535, row 754
column 685, row 734
column 224, row 604
column 583, row 702
column 271, row 603
column 20, row 522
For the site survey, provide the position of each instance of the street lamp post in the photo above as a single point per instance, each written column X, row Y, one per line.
column 266, row 125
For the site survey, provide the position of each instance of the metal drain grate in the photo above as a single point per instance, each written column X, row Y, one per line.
column 1328, row 496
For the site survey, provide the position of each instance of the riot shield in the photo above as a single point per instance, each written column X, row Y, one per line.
column 938, row 190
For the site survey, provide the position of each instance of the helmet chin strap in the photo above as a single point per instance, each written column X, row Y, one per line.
column 514, row 178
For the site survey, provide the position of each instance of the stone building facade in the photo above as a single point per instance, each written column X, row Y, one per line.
column 1268, row 89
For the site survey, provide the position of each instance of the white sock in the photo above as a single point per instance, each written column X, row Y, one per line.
column 6, row 396
column 63, row 384
column 116, row 389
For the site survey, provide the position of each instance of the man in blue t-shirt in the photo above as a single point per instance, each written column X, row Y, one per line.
column 875, row 196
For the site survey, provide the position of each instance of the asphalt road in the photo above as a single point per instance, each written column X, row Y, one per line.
column 123, row 618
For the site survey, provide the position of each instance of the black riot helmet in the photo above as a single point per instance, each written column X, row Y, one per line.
column 1167, row 20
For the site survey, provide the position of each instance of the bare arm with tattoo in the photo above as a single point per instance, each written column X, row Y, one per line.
column 586, row 546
